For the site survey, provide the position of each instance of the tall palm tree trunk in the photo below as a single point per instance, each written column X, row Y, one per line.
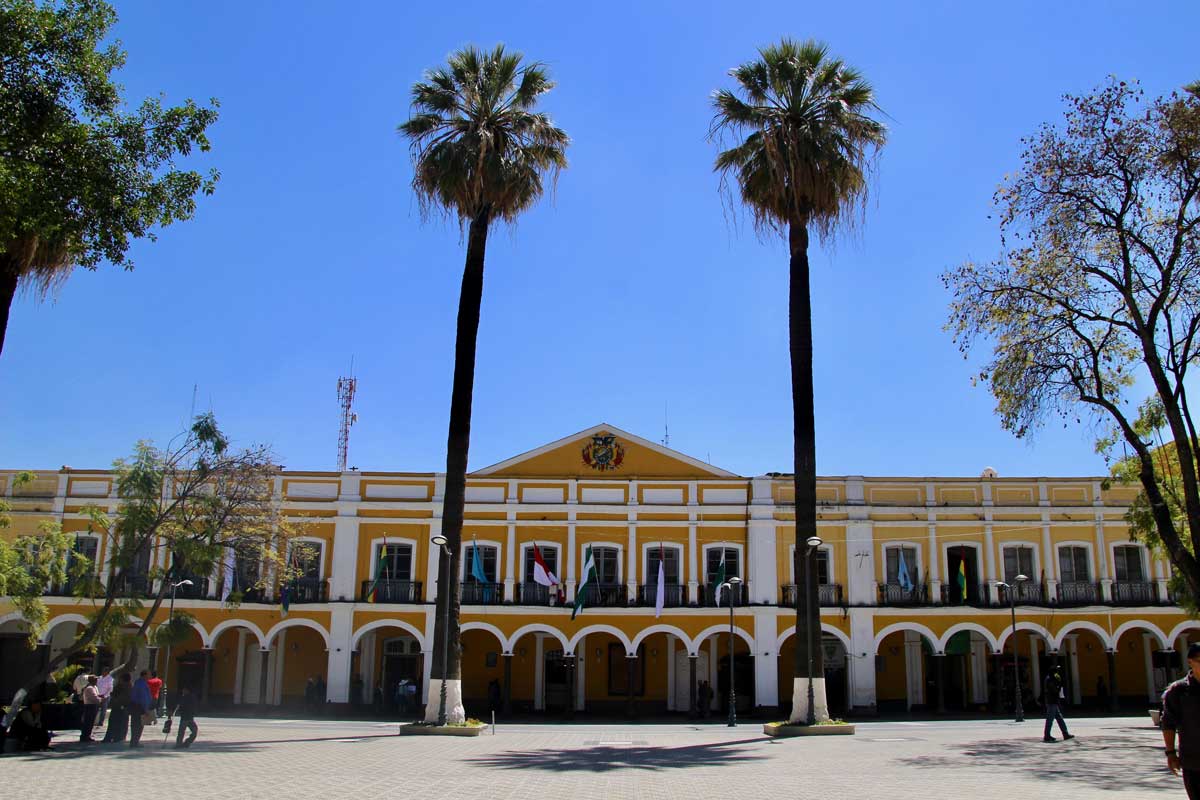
column 458, row 442
column 805, row 483
column 8, row 290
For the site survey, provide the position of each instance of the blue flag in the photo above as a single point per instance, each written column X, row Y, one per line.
column 902, row 574
column 478, row 574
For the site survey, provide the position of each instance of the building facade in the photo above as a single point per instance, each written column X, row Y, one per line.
column 916, row 579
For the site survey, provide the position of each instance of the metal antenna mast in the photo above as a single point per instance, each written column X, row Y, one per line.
column 346, row 388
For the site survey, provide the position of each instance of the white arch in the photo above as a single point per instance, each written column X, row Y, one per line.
column 790, row 631
column 1080, row 624
column 1178, row 630
column 56, row 621
column 711, row 629
column 388, row 623
column 1145, row 625
column 661, row 628
column 1025, row 626
column 476, row 625
column 196, row 625
column 537, row 627
column 905, row 626
column 617, row 632
column 296, row 622
column 15, row 615
column 977, row 628
column 225, row 625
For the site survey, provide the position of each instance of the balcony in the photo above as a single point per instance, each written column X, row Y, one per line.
column 132, row 585
column 482, row 594
column 737, row 592
column 1134, row 593
column 198, row 590
column 1078, row 593
column 611, row 595
column 391, row 591
column 977, row 595
column 67, row 588
column 828, row 594
column 1028, row 593
column 308, row 590
column 893, row 594
column 672, row 595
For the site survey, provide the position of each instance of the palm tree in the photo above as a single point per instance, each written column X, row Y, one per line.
column 802, row 165
column 481, row 153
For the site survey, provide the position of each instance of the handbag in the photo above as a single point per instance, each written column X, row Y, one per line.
column 167, row 726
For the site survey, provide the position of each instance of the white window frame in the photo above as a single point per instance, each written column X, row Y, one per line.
column 378, row 542
column 897, row 543
column 645, row 565
column 462, row 558
column 723, row 546
column 525, row 547
column 1037, row 559
column 320, row 544
column 1092, row 570
column 1147, row 574
column 824, row 548
column 620, row 558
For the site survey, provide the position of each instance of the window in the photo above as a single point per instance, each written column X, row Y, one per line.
column 549, row 556
column 670, row 559
column 394, row 562
column 1128, row 561
column 712, row 566
column 822, row 557
column 306, row 559
column 487, row 559
column 1018, row 561
column 911, row 568
column 85, row 547
column 608, row 564
column 1073, row 564
column 245, row 571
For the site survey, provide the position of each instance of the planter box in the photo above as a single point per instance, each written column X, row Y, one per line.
column 1154, row 716
column 444, row 730
column 786, row 731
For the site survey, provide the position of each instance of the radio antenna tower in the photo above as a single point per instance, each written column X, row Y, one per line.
column 346, row 388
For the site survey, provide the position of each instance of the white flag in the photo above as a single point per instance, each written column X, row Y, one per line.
column 660, row 596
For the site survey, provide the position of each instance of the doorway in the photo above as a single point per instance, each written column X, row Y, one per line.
column 401, row 665
column 557, row 689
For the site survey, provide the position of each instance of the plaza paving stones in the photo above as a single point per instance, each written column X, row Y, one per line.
column 245, row 758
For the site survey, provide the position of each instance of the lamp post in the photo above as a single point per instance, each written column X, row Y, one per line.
column 440, row 541
column 728, row 587
column 1012, row 607
column 170, row 616
column 813, row 543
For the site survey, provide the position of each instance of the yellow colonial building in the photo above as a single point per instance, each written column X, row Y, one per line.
column 898, row 631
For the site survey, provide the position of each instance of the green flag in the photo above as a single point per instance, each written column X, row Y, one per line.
column 719, row 578
column 589, row 578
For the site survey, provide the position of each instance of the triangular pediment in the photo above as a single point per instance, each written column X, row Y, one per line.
column 603, row 451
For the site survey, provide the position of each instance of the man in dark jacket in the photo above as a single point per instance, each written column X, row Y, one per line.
column 1181, row 716
column 139, row 704
column 186, row 710
column 1051, row 689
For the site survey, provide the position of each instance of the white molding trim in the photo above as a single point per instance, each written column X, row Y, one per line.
column 677, row 547
column 1091, row 549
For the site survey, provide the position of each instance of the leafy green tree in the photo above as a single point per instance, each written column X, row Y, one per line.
column 1098, row 283
column 188, row 507
column 803, row 144
column 481, row 154
column 80, row 176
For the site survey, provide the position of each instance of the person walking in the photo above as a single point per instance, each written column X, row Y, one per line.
column 155, row 683
column 118, row 725
column 104, row 687
column 186, row 711
column 139, row 704
column 91, row 707
column 1181, row 718
column 1052, row 689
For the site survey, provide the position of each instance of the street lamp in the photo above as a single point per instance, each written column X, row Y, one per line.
column 813, row 543
column 440, row 541
column 728, row 587
column 167, row 689
column 1012, row 606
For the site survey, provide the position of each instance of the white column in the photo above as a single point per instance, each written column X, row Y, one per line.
column 433, row 559
column 670, row 672
column 990, row 559
column 278, row 657
column 631, row 575
column 862, row 658
column 1102, row 562
column 1049, row 559
column 571, row 557
column 427, row 671
column 239, row 674
column 860, row 567
column 712, row 670
column 510, row 564
column 1149, row 644
column 581, row 660
column 337, row 677
column 979, row 673
column 766, row 664
column 1072, row 645
column 345, row 555
column 693, row 565
column 762, row 572
column 1035, row 671
column 935, row 572
column 914, row 668
column 366, row 665
column 539, row 689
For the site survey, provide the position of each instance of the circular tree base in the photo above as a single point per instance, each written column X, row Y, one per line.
column 783, row 730
column 421, row 729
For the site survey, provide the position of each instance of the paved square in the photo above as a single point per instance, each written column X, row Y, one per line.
column 242, row 758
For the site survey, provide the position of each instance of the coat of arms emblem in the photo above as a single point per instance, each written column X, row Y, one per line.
column 603, row 452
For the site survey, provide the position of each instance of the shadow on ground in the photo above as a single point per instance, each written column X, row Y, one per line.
column 156, row 747
column 1103, row 761
column 604, row 758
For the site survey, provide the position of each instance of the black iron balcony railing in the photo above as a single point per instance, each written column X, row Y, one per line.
column 482, row 594
column 534, row 594
column 829, row 594
column 1078, row 593
column 197, row 590
column 308, row 590
column 67, row 588
column 1134, row 593
column 893, row 594
column 1029, row 593
column 132, row 585
column 977, row 595
column 737, row 592
column 612, row 595
column 391, row 591
column 672, row 595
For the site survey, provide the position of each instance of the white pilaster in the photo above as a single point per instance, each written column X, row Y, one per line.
column 860, row 568
column 712, row 671
column 539, row 686
column 581, row 660
column 914, row 667
column 862, row 658
column 571, row 556
column 766, row 658
column 510, row 563
column 979, row 669
column 670, row 654
column 366, row 667
column 433, row 558
column 345, row 551
column 1102, row 561
column 1149, row 644
column 762, row 569
column 239, row 674
column 341, row 628
column 632, row 561
column 990, row 550
column 1049, row 557
column 693, row 564
column 275, row 668
column 935, row 571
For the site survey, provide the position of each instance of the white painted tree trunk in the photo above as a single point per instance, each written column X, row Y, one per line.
column 455, row 713
column 800, row 701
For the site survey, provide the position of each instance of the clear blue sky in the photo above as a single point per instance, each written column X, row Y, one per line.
column 626, row 292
